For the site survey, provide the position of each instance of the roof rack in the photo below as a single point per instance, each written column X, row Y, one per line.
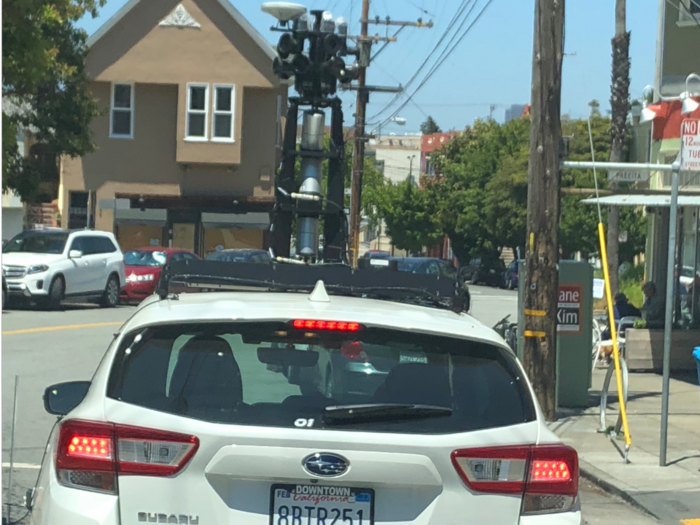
column 339, row 279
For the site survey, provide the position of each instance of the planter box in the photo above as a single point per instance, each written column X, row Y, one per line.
column 645, row 349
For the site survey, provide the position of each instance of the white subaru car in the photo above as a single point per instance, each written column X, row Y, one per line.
column 50, row 266
column 191, row 418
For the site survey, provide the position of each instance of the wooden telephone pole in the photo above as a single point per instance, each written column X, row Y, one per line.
column 543, row 205
column 364, row 44
column 358, row 154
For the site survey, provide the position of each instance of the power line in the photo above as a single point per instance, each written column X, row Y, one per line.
column 444, row 35
column 438, row 64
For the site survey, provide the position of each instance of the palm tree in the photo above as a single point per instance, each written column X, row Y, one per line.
column 619, row 102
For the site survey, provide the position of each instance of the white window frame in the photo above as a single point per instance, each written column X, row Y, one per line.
column 188, row 111
column 214, row 112
column 112, row 109
column 685, row 17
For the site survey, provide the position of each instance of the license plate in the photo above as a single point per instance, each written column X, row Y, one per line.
column 321, row 505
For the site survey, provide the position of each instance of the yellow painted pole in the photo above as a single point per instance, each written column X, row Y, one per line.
column 613, row 334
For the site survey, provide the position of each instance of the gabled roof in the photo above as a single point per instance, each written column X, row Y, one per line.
column 235, row 14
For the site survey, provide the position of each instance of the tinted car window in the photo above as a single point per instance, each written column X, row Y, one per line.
column 270, row 374
column 145, row 258
column 37, row 243
column 93, row 245
column 78, row 243
column 106, row 245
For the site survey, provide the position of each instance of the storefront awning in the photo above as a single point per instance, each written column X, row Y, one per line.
column 136, row 217
column 662, row 201
column 236, row 221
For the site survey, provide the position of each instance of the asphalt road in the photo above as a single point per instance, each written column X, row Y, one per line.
column 43, row 348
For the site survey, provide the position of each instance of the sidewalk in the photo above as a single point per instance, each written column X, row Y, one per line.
column 670, row 493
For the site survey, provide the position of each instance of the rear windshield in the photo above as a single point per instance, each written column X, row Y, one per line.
column 271, row 374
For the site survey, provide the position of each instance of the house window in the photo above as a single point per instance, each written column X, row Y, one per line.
column 121, row 123
column 222, row 125
column 197, row 106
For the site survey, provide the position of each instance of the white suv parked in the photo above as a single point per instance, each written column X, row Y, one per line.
column 53, row 265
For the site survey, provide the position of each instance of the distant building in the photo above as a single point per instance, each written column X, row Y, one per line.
column 187, row 145
column 430, row 144
column 514, row 111
column 400, row 155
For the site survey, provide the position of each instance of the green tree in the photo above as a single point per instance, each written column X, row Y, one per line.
column 429, row 126
column 45, row 80
column 410, row 215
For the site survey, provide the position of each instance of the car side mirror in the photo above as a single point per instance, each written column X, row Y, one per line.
column 75, row 254
column 61, row 398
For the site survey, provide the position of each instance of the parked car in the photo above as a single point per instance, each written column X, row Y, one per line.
column 143, row 267
column 187, row 420
column 240, row 255
column 49, row 266
column 486, row 271
column 467, row 270
column 429, row 265
column 510, row 276
column 5, row 295
column 377, row 254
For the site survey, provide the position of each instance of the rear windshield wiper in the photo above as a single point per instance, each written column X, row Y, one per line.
column 382, row 412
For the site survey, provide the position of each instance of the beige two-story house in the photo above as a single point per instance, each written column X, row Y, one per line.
column 187, row 144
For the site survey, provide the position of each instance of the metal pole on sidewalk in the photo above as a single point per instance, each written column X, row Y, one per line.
column 12, row 450
column 672, row 230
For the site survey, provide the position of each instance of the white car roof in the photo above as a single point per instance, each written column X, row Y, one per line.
column 272, row 306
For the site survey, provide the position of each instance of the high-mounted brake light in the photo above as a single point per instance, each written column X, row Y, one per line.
column 329, row 326
column 546, row 475
column 90, row 454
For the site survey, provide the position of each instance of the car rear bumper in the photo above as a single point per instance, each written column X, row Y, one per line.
column 59, row 505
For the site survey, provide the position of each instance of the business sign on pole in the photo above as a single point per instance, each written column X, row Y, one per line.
column 569, row 309
column 690, row 145
column 628, row 175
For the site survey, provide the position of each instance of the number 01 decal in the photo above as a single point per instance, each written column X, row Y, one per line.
column 304, row 423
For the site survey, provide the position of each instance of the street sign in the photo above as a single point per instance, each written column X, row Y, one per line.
column 690, row 145
column 628, row 175
column 598, row 288
column 115, row 204
column 569, row 309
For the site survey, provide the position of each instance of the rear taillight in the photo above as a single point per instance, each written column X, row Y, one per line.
column 545, row 475
column 91, row 454
column 354, row 351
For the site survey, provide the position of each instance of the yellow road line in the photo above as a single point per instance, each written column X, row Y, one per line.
column 55, row 328
column 693, row 521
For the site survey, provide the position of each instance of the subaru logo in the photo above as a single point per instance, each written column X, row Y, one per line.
column 325, row 464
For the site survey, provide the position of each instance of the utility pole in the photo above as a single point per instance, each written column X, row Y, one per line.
column 364, row 45
column 543, row 205
column 358, row 156
column 619, row 102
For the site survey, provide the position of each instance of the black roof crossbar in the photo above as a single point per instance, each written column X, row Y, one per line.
column 338, row 279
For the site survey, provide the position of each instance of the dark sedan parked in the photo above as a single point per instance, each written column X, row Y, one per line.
column 429, row 265
column 240, row 255
column 510, row 276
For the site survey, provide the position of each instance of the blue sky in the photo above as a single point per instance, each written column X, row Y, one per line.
column 492, row 64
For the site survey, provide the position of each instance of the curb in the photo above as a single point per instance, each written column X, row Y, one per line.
column 599, row 478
